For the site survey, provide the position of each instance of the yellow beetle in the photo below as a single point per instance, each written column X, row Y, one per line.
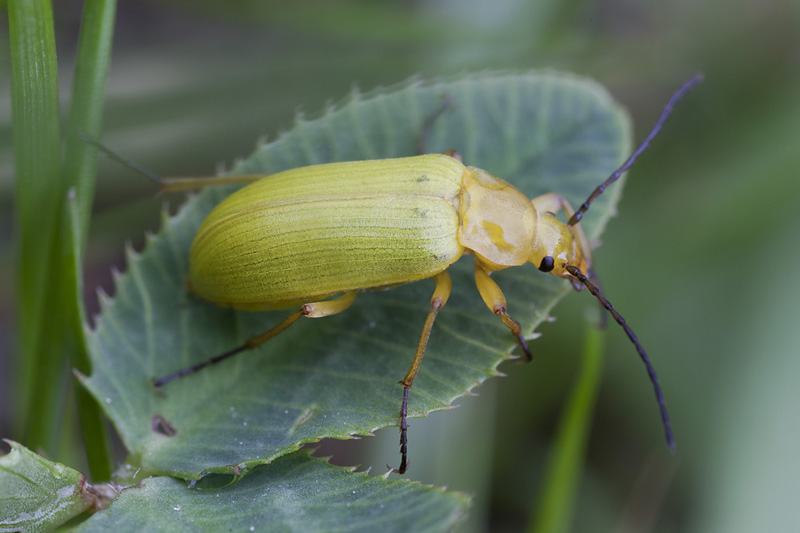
column 298, row 237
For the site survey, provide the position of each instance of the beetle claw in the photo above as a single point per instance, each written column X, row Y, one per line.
column 524, row 346
column 157, row 386
column 401, row 470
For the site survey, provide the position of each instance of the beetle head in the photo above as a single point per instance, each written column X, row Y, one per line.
column 556, row 246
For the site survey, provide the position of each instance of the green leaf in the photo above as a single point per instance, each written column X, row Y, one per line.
column 338, row 377
column 37, row 494
column 296, row 493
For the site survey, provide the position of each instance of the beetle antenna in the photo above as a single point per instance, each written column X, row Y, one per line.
column 694, row 80
column 111, row 154
column 592, row 275
column 632, row 336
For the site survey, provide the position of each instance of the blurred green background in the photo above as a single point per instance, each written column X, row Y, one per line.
column 701, row 259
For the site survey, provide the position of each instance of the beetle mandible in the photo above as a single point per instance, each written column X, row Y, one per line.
column 298, row 237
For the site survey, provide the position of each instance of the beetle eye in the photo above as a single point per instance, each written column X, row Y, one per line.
column 547, row 264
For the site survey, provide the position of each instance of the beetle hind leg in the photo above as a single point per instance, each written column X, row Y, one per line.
column 427, row 127
column 309, row 310
column 440, row 295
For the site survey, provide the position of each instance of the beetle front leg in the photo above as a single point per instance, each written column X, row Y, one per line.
column 310, row 310
column 440, row 295
column 495, row 300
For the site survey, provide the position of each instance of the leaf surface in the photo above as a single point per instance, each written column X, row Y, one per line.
column 37, row 494
column 295, row 493
column 338, row 377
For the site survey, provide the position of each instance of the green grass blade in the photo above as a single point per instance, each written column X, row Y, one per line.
column 86, row 108
column 95, row 437
column 37, row 149
column 79, row 171
column 557, row 498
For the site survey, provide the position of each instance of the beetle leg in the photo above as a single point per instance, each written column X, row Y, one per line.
column 422, row 141
column 552, row 202
column 171, row 184
column 328, row 307
column 440, row 295
column 310, row 310
column 495, row 300
column 191, row 183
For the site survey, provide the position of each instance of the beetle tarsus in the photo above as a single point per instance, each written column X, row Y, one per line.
column 422, row 141
column 160, row 382
column 524, row 345
column 403, row 435
column 114, row 156
column 258, row 340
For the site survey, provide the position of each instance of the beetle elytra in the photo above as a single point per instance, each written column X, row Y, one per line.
column 311, row 238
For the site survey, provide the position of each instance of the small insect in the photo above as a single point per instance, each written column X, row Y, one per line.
column 298, row 237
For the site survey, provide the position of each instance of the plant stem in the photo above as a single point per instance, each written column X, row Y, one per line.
column 556, row 502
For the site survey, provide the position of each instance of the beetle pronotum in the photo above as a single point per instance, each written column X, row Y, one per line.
column 298, row 237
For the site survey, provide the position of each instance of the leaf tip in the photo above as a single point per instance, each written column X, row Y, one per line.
column 115, row 275
column 329, row 107
column 131, row 255
column 220, row 168
column 104, row 299
column 355, row 93
column 261, row 141
column 79, row 375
